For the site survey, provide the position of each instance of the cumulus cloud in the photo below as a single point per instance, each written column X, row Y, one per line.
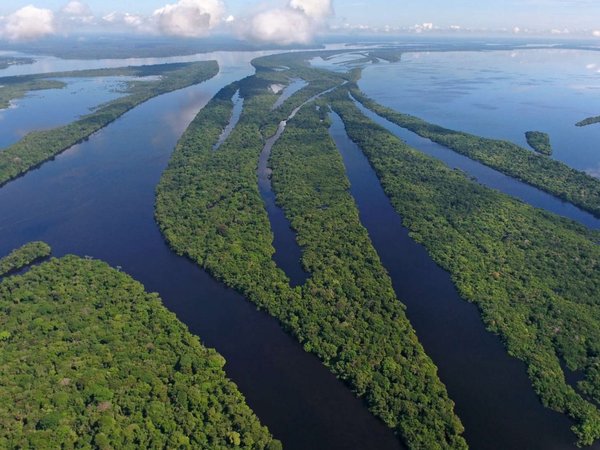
column 296, row 23
column 77, row 12
column 189, row 18
column 28, row 23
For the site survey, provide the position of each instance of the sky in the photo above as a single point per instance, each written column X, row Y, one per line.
column 296, row 21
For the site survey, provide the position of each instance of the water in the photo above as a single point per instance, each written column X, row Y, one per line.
column 288, row 254
column 295, row 85
column 493, row 394
column 77, row 98
column 98, row 198
column 500, row 94
column 486, row 175
column 238, row 106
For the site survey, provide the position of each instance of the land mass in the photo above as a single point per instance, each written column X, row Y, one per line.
column 539, row 141
column 40, row 146
column 90, row 360
column 588, row 121
column 23, row 257
column 534, row 275
column 547, row 174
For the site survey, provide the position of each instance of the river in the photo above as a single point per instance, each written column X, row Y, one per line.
column 97, row 199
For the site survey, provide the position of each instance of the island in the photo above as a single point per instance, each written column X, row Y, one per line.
column 91, row 360
column 534, row 275
column 588, row 121
column 23, row 257
column 539, row 141
column 40, row 146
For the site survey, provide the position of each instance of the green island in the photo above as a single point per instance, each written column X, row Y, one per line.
column 588, row 121
column 535, row 276
column 547, row 174
column 24, row 256
column 7, row 61
column 209, row 208
column 40, row 146
column 539, row 141
column 10, row 91
column 90, row 360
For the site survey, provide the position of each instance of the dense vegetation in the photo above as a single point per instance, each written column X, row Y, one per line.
column 7, row 61
column 539, row 141
column 588, row 121
column 24, row 256
column 535, row 276
column 209, row 208
column 90, row 360
column 547, row 174
column 13, row 91
column 40, row 146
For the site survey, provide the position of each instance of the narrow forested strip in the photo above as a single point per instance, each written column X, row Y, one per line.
column 588, row 121
column 349, row 314
column 40, row 146
column 547, row 174
column 90, row 360
column 534, row 275
column 24, row 256
column 209, row 208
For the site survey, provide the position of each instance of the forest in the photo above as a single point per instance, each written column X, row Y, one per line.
column 24, row 256
column 535, row 276
column 40, row 146
column 91, row 360
column 547, row 174
column 209, row 209
column 539, row 141
column 588, row 121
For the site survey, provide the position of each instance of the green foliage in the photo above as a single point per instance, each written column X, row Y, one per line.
column 535, row 276
column 93, row 361
column 24, row 256
column 539, row 141
column 40, row 146
column 588, row 121
column 18, row 90
column 547, row 174
column 7, row 61
column 209, row 208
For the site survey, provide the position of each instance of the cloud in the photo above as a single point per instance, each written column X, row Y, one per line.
column 295, row 23
column 77, row 12
column 28, row 23
column 596, row 33
column 189, row 18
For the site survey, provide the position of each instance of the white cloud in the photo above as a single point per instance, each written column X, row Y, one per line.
column 317, row 10
column 76, row 8
column 295, row 23
column 28, row 23
column 596, row 33
column 77, row 12
column 189, row 18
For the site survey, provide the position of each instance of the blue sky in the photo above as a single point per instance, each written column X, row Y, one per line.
column 547, row 16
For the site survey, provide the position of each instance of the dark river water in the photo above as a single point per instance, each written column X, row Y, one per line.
column 97, row 199
column 492, row 392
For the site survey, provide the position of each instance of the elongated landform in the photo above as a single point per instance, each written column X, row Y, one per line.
column 547, row 174
column 209, row 208
column 535, row 276
column 7, row 61
column 90, row 360
column 588, row 121
column 40, row 146
column 539, row 141
column 24, row 256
